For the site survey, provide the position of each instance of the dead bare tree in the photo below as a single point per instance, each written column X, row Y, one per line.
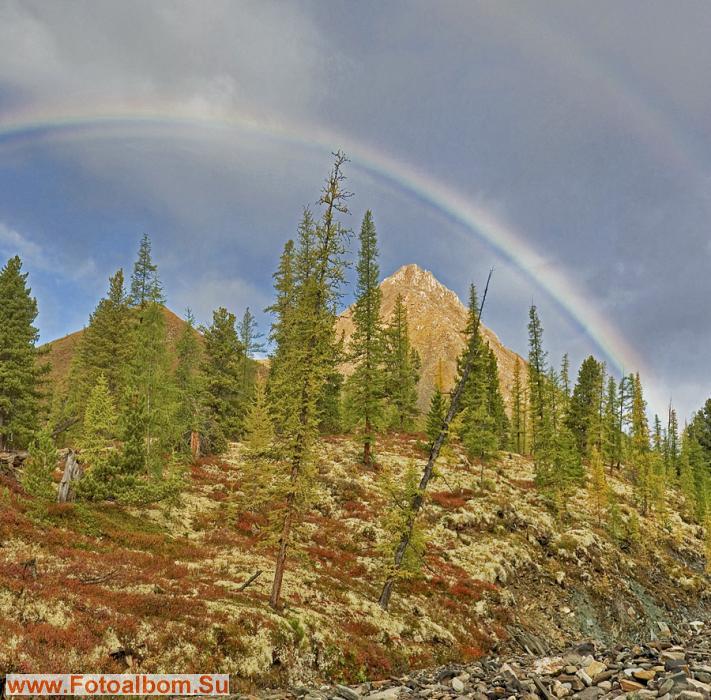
column 418, row 498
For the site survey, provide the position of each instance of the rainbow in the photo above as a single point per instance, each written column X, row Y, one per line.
column 504, row 238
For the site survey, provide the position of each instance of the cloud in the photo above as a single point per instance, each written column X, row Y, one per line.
column 258, row 53
column 14, row 243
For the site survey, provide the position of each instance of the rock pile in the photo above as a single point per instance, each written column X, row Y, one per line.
column 669, row 667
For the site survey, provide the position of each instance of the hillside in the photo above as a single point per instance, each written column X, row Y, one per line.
column 60, row 352
column 436, row 318
column 104, row 587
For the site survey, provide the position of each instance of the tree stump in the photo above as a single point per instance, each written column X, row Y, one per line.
column 72, row 472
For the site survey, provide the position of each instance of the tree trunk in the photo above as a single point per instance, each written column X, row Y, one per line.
column 195, row 445
column 284, row 542
column 72, row 472
column 417, row 500
column 367, row 458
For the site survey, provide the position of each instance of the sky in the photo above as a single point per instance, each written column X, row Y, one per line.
column 565, row 144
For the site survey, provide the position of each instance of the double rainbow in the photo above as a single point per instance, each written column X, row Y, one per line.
column 504, row 238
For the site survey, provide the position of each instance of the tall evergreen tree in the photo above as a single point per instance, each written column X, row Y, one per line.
column 671, row 447
column 583, row 418
column 104, row 348
column 306, row 355
column 222, row 371
column 612, row 437
column 402, row 370
column 640, row 448
column 366, row 385
column 149, row 391
column 150, row 382
column 518, row 411
column 146, row 287
column 190, row 388
column 537, row 372
column 21, row 369
column 624, row 408
column 565, row 376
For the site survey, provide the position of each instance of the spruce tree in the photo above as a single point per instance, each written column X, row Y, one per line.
column 365, row 386
column 671, row 447
column 146, row 287
column 584, row 414
column 483, row 424
column 402, row 370
column 150, row 382
column 611, row 436
column 105, row 346
column 640, row 448
column 435, row 415
column 222, row 370
column 537, row 372
column 189, row 386
column 624, row 400
column 21, row 369
column 518, row 411
column 306, row 355
column 565, row 376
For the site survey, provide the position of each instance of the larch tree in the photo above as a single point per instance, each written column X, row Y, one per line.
column 258, row 427
column 284, row 300
column 365, row 387
column 306, row 355
column 251, row 340
column 21, row 370
column 38, row 470
column 402, row 370
column 597, row 485
column 408, row 530
column 99, row 426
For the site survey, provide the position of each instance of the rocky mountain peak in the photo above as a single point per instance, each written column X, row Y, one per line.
column 436, row 318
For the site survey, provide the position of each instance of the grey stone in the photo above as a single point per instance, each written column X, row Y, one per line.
column 347, row 693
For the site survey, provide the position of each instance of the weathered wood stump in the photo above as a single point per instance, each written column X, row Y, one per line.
column 72, row 472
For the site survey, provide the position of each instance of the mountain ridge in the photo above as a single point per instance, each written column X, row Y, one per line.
column 436, row 320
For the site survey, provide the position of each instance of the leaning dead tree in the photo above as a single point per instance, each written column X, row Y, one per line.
column 418, row 497
column 72, row 473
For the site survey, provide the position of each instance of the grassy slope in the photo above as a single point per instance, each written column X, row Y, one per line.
column 106, row 587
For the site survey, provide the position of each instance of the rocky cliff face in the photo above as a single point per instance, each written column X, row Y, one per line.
column 437, row 319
